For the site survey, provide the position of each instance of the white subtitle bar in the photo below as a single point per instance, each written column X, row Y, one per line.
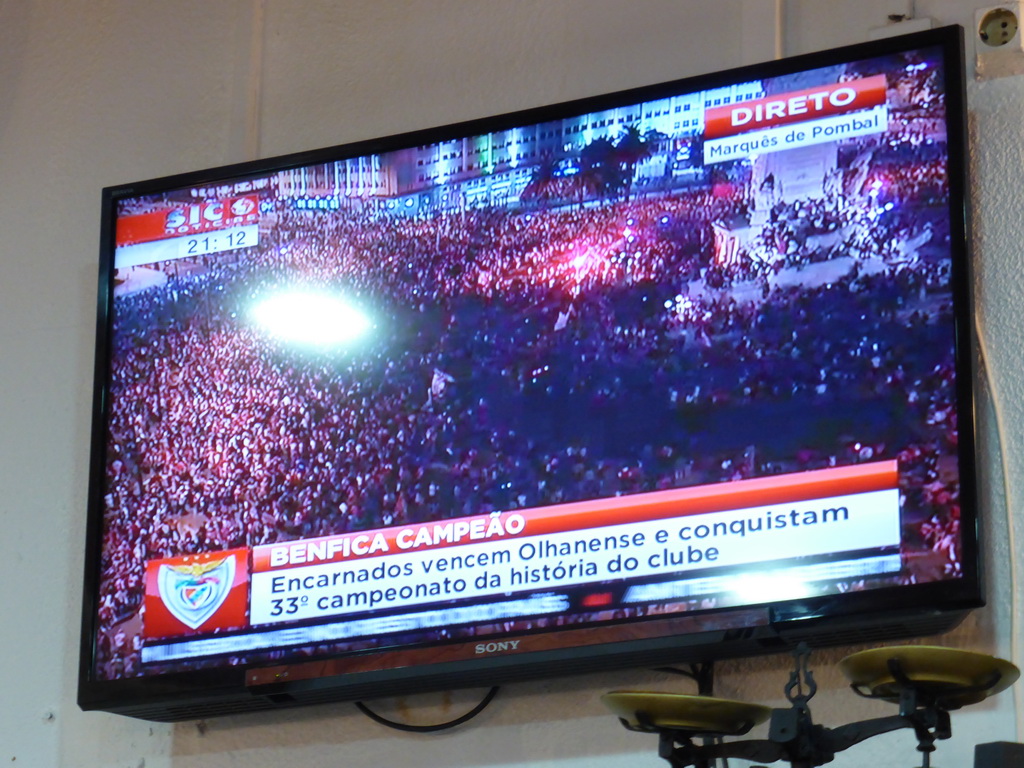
column 555, row 561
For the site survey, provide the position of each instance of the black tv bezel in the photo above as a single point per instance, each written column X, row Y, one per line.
column 876, row 615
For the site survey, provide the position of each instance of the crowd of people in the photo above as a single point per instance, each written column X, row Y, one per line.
column 521, row 359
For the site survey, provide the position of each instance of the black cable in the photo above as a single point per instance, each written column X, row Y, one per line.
column 677, row 671
column 703, row 674
column 429, row 728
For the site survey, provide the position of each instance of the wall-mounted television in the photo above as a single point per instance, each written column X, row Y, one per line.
column 671, row 374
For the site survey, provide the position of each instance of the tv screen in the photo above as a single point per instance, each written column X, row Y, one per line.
column 677, row 373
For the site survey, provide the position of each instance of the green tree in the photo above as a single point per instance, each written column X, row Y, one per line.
column 631, row 149
column 544, row 184
column 600, row 173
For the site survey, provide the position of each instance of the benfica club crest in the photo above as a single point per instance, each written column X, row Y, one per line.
column 193, row 592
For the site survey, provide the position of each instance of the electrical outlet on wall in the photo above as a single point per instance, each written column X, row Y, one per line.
column 998, row 46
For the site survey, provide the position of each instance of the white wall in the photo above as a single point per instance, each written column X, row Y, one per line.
column 110, row 91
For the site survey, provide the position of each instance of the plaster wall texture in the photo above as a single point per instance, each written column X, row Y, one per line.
column 109, row 91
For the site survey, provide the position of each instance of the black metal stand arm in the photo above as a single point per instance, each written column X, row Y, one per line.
column 794, row 737
column 801, row 742
column 927, row 683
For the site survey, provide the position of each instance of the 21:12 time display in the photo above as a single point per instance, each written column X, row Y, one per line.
column 220, row 240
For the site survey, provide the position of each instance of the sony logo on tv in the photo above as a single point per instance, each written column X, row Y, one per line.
column 507, row 645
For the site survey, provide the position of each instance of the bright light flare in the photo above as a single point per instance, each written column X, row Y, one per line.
column 310, row 319
column 768, row 587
